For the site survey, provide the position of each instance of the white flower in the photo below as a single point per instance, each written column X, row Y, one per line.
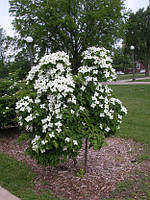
column 58, row 130
column 44, row 142
column 119, row 116
column 75, row 142
column 37, row 100
column 93, row 105
column 29, row 109
column 102, row 115
column 123, row 109
column 101, row 126
column 65, row 149
column 51, row 135
column 42, row 150
column 107, row 129
column 72, row 111
column 83, row 88
column 82, row 108
column 83, row 123
column 67, row 139
column 29, row 118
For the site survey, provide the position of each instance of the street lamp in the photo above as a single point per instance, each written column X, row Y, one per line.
column 133, row 68
column 29, row 40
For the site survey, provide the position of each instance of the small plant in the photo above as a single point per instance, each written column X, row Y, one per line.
column 81, row 172
column 23, row 137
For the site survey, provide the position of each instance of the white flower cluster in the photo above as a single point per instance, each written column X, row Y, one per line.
column 55, row 83
column 100, row 63
column 23, row 104
column 51, row 58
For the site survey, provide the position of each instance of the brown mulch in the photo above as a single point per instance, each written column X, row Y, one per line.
column 113, row 163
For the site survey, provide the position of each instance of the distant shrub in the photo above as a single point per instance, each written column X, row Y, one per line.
column 8, row 97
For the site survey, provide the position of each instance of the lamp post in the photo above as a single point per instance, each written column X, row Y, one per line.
column 29, row 40
column 133, row 68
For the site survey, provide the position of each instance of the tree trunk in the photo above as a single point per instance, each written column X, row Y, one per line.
column 147, row 70
column 85, row 155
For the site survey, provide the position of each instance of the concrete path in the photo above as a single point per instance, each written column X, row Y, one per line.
column 130, row 82
column 5, row 195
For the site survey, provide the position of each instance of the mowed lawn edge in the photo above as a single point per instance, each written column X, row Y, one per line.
column 18, row 178
column 135, row 126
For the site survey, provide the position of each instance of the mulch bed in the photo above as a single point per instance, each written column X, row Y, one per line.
column 113, row 163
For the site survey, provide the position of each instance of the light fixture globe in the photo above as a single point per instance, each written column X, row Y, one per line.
column 29, row 39
column 132, row 47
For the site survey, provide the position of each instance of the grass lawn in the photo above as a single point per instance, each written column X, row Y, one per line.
column 19, row 180
column 137, row 126
column 136, row 189
column 129, row 76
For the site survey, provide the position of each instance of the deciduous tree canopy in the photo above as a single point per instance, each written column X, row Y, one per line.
column 68, row 25
column 138, row 34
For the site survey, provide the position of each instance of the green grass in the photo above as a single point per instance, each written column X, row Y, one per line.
column 18, row 178
column 136, row 188
column 129, row 76
column 136, row 125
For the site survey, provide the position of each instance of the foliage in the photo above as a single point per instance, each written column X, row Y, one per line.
column 19, row 68
column 138, row 34
column 3, row 70
column 121, row 59
column 64, row 109
column 23, row 137
column 8, row 97
column 10, row 59
column 68, row 25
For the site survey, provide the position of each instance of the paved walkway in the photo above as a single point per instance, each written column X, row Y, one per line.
column 5, row 195
column 130, row 82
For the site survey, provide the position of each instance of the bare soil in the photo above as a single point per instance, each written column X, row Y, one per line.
column 113, row 163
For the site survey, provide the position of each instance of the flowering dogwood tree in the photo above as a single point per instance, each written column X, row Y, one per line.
column 65, row 109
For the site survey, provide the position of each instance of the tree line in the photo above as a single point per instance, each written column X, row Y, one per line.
column 73, row 26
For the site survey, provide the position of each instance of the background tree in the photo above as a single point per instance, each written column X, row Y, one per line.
column 3, row 69
column 121, row 59
column 68, row 25
column 138, row 34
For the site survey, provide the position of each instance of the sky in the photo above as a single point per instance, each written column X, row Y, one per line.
column 6, row 20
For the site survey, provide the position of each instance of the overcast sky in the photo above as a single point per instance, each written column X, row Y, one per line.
column 5, row 19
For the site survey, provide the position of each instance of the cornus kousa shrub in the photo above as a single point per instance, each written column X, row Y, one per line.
column 51, row 115
column 66, row 109
column 104, row 112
